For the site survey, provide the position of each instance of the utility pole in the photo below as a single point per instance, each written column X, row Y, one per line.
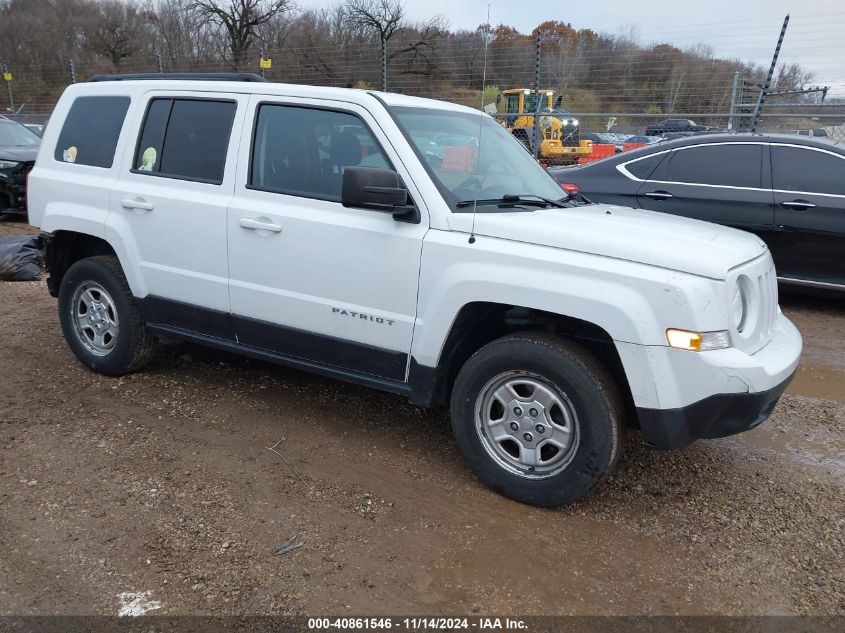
column 160, row 63
column 761, row 100
column 535, row 149
column 72, row 71
column 261, row 62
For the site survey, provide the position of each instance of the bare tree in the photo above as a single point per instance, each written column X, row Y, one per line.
column 384, row 18
column 416, row 51
column 116, row 31
column 239, row 19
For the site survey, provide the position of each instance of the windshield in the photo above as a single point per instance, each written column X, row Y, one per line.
column 15, row 135
column 471, row 157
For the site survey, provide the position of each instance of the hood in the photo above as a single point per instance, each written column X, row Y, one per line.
column 21, row 154
column 636, row 235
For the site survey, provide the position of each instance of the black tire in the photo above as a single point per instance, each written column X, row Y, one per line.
column 133, row 346
column 585, row 384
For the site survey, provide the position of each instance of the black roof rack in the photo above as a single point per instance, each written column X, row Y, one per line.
column 180, row 77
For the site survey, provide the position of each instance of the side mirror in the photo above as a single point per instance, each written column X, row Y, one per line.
column 378, row 190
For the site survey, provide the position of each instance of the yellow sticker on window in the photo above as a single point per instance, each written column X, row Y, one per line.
column 69, row 155
column 148, row 159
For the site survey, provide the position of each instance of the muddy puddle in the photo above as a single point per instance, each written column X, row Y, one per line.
column 817, row 380
column 812, row 447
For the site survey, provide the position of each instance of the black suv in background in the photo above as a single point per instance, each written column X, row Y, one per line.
column 789, row 190
column 18, row 149
column 674, row 125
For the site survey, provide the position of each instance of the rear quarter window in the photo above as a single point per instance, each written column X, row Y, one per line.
column 90, row 131
column 643, row 167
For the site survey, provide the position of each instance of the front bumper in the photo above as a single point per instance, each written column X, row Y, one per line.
column 717, row 416
column 697, row 395
column 13, row 193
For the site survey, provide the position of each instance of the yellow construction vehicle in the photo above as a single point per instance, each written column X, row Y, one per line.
column 559, row 134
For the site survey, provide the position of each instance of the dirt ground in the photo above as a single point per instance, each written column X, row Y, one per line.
column 157, row 492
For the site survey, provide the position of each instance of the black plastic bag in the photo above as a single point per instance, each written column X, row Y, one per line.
column 19, row 258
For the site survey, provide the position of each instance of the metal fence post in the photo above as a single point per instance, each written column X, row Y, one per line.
column 383, row 64
column 9, row 88
column 732, row 123
column 535, row 149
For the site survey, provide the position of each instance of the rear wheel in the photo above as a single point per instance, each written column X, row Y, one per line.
column 537, row 418
column 101, row 320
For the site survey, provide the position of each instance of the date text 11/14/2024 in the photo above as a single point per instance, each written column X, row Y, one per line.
column 417, row 623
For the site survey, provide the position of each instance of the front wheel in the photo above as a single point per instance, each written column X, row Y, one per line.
column 537, row 418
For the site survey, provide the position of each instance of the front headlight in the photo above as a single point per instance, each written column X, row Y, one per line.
column 8, row 164
column 697, row 341
column 575, row 122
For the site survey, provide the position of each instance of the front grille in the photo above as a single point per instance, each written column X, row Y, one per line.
column 760, row 281
column 767, row 285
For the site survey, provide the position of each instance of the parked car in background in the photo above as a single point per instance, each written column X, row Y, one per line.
column 788, row 190
column 18, row 149
column 602, row 138
column 37, row 128
column 648, row 140
column 674, row 125
column 818, row 132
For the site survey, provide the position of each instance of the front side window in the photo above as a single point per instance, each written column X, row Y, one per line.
column 472, row 157
column 731, row 165
column 186, row 139
column 799, row 169
column 304, row 151
column 90, row 131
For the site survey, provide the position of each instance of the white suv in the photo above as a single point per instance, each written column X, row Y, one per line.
column 408, row 245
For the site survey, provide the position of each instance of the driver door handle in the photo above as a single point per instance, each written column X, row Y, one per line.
column 141, row 205
column 798, row 205
column 658, row 195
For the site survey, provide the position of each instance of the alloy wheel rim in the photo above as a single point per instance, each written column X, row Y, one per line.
column 94, row 318
column 527, row 425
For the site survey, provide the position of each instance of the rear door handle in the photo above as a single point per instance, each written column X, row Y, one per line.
column 141, row 205
column 260, row 225
column 798, row 205
column 658, row 195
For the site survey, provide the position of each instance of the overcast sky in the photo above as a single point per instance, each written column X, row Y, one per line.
column 746, row 29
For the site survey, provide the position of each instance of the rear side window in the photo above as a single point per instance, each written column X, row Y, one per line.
column 186, row 139
column 90, row 131
column 304, row 151
column 643, row 167
column 798, row 169
column 725, row 165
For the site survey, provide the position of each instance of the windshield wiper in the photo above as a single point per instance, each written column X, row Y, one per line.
column 508, row 198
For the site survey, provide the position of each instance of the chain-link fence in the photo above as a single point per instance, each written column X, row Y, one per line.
column 624, row 87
